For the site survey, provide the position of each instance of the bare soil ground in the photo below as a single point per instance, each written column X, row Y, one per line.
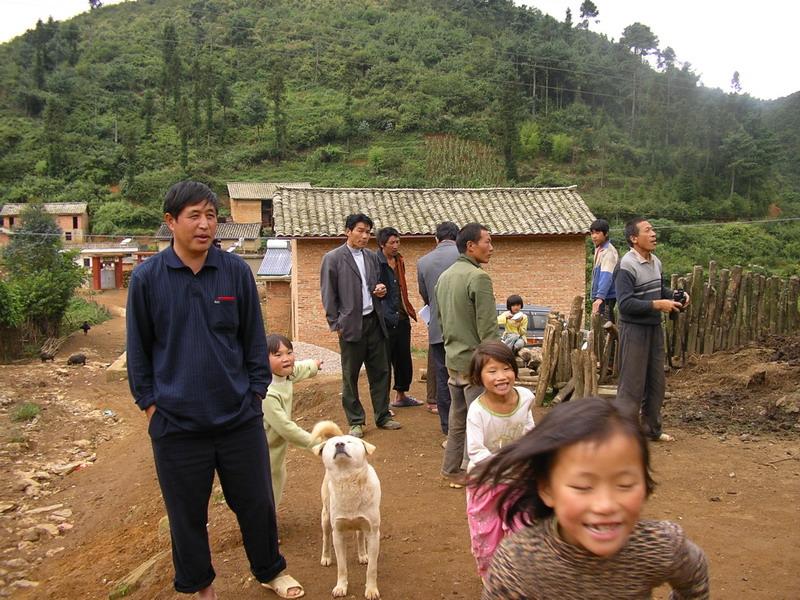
column 732, row 479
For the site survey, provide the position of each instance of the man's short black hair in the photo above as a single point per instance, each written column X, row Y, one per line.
column 446, row 230
column 385, row 233
column 632, row 229
column 600, row 225
column 471, row 232
column 186, row 193
column 352, row 220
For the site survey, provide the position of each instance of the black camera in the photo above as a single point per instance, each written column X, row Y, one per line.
column 678, row 295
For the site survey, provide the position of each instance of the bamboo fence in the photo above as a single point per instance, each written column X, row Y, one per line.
column 728, row 310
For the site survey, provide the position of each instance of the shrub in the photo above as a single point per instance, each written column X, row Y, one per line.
column 561, row 150
column 80, row 310
column 27, row 411
column 530, row 139
column 327, row 154
column 382, row 160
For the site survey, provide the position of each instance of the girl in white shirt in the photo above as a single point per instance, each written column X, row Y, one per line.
column 496, row 418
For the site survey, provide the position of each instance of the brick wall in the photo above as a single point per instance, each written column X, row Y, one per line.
column 246, row 211
column 276, row 306
column 546, row 270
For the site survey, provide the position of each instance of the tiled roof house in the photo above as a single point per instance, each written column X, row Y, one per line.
column 71, row 217
column 251, row 202
column 538, row 236
column 228, row 233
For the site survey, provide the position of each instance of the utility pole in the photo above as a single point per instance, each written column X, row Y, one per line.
column 633, row 105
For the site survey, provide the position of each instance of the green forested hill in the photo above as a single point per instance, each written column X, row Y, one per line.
column 114, row 105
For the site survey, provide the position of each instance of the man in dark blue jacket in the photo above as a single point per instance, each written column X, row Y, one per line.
column 197, row 366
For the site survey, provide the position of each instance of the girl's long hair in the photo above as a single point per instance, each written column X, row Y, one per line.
column 527, row 462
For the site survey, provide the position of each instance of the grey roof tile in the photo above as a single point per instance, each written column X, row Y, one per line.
column 320, row 212
column 54, row 208
column 225, row 231
column 259, row 191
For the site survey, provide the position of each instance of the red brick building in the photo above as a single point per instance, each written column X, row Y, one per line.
column 538, row 235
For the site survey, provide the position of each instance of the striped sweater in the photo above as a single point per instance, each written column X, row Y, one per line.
column 536, row 564
column 638, row 282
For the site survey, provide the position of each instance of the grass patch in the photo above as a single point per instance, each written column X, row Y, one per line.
column 121, row 591
column 80, row 310
column 18, row 437
column 27, row 411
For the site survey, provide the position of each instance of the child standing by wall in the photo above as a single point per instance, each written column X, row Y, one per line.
column 516, row 323
column 580, row 479
column 496, row 418
column 281, row 429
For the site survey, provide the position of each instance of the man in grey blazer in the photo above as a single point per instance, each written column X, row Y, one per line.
column 429, row 267
column 351, row 294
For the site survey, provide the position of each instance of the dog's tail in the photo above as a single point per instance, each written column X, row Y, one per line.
column 324, row 430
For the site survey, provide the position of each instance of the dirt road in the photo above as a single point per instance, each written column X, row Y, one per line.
column 735, row 492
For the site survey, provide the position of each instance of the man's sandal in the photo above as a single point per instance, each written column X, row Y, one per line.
column 282, row 584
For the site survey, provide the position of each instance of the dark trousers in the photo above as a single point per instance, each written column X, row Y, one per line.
column 430, row 379
column 185, row 464
column 370, row 351
column 607, row 309
column 399, row 349
column 442, row 389
column 462, row 394
column 641, row 374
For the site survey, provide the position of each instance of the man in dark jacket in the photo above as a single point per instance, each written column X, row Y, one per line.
column 429, row 269
column 197, row 366
column 352, row 294
column 398, row 313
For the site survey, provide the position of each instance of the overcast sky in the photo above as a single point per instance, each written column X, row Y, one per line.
column 756, row 38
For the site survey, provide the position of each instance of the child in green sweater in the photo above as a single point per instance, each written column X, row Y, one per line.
column 277, row 406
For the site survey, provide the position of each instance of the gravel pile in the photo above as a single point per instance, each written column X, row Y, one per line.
column 332, row 361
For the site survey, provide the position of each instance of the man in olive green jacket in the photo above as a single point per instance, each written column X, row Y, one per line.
column 468, row 315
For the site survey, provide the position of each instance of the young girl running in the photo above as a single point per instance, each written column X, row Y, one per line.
column 496, row 418
column 580, row 480
column 277, row 406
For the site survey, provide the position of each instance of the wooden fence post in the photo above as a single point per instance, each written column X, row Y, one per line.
column 724, row 278
column 693, row 344
column 794, row 295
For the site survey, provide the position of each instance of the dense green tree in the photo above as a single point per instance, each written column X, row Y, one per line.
column 148, row 111
column 43, row 276
column 254, row 110
column 54, row 116
column 184, row 125
column 588, row 12
column 640, row 39
column 277, row 89
column 225, row 99
column 736, row 84
column 171, row 68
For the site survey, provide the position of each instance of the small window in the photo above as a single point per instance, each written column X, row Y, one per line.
column 10, row 222
column 74, row 222
column 87, row 262
column 68, row 236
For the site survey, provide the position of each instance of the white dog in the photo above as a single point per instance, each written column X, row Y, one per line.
column 351, row 498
